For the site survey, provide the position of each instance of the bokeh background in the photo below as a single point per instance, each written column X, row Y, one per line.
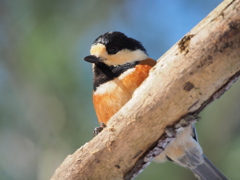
column 46, row 110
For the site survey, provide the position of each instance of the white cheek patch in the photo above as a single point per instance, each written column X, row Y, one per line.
column 125, row 56
column 122, row 57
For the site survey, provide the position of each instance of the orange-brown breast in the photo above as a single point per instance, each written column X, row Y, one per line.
column 119, row 91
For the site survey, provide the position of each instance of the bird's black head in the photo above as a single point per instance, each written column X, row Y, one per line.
column 115, row 48
column 117, row 41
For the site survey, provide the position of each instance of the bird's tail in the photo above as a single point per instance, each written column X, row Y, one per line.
column 207, row 171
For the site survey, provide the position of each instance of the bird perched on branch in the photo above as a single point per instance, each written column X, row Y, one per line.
column 120, row 65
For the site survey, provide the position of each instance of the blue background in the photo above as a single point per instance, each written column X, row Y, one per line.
column 46, row 109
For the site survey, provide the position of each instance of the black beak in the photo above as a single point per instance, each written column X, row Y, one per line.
column 92, row 59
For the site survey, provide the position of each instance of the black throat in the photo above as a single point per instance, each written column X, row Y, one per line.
column 103, row 73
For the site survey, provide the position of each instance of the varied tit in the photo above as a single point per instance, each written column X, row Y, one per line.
column 120, row 65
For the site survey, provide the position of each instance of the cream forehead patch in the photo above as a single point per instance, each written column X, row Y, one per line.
column 98, row 50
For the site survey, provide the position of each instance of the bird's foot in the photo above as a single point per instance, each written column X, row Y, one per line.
column 97, row 130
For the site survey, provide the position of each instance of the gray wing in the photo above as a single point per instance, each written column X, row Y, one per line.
column 207, row 171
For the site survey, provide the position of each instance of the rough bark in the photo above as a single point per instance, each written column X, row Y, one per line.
column 194, row 72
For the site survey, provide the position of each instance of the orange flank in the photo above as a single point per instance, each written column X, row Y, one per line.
column 119, row 91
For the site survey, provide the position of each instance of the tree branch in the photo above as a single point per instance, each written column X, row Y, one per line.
column 194, row 72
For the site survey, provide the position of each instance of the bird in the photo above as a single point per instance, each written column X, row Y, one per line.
column 120, row 64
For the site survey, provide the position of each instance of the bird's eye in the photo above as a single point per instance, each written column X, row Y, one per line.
column 112, row 50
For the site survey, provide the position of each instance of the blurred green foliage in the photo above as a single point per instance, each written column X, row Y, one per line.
column 46, row 110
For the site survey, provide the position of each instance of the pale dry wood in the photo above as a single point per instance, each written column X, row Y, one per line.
column 191, row 74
